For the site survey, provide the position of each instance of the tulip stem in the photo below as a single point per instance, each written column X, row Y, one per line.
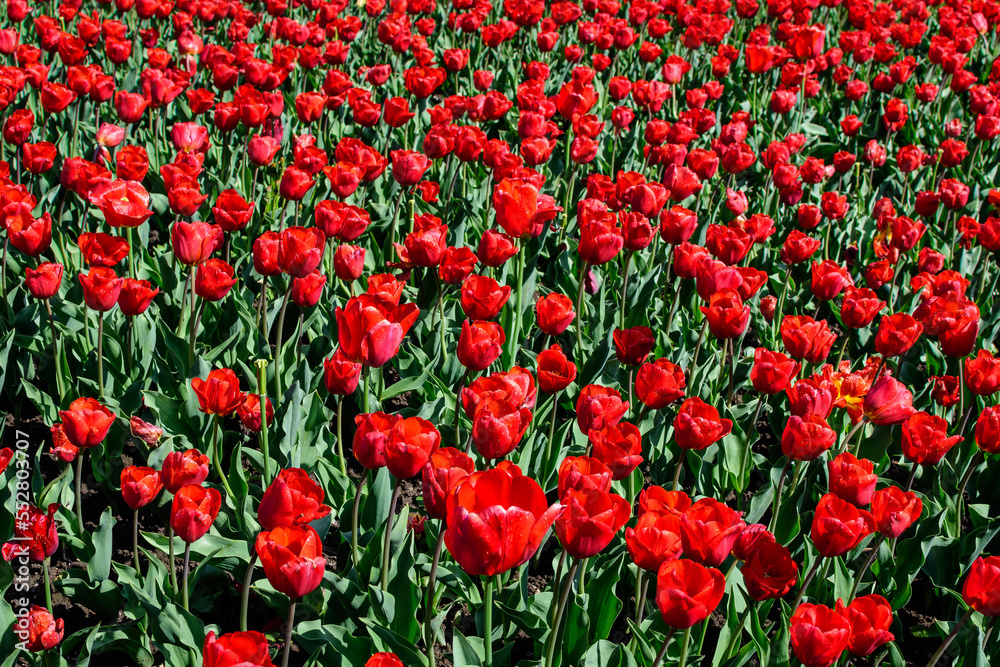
column 77, row 492
column 840, row 357
column 515, row 324
column 960, row 497
column 173, row 563
column 552, row 434
column 191, row 323
column 100, row 354
column 245, row 599
column 278, row 337
column 56, row 356
column 677, row 470
column 262, row 436
column 628, row 265
column 355, row 554
column 340, row 436
column 864, row 568
column 641, row 583
column 135, row 542
column 458, row 409
column 697, row 349
column 218, row 459
column 663, row 649
column 579, row 313
column 387, row 545
column 949, row 639
column 289, row 624
column 685, row 640
column 48, row 582
column 808, row 580
column 429, row 608
column 913, row 475
column 777, row 495
column 850, row 435
column 737, row 633
column 488, row 620
column 184, row 574
column 560, row 608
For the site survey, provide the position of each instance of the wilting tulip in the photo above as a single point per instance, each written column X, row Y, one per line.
column 44, row 631
column 818, row 635
column 35, row 534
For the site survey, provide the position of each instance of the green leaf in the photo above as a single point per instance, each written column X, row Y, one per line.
column 99, row 566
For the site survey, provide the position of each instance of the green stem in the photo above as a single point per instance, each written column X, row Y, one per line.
column 677, row 470
column 387, row 544
column 289, row 624
column 48, row 584
column 515, row 324
column 777, row 495
column 737, row 633
column 77, row 492
column 579, row 314
column 277, row 348
column 340, row 436
column 217, row 459
column 429, row 607
column 192, row 325
column 488, row 620
column 560, row 609
column 864, row 568
column 628, row 265
column 173, row 561
column 262, row 436
column 355, row 554
column 184, row 574
column 100, row 354
column 960, row 497
column 685, row 640
column 552, row 434
column 135, row 542
column 697, row 348
column 949, row 639
column 663, row 649
column 805, row 584
column 245, row 598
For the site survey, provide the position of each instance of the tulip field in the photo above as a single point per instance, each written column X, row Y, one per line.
column 450, row 333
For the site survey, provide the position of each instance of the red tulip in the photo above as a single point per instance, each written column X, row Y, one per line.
column 184, row 468
column 44, row 631
column 292, row 559
column 554, row 313
column 597, row 407
column 895, row 510
column 897, row 333
column 589, row 520
column 408, row 167
column 482, row 297
column 43, row 282
column 925, row 438
column 769, row 572
column 839, row 526
column 687, row 592
column 655, row 540
column 708, row 531
column 245, row 649
column 123, row 203
column 805, row 338
column 819, row 635
column 698, row 425
column 101, row 288
column 441, row 474
column 86, row 422
column 870, row 617
column 851, row 478
column 249, row 412
column 555, row 371
column 214, row 279
column 982, row 373
column 480, row 344
column 193, row 511
column 194, row 242
column 292, row 499
column 219, row 393
column 410, row 445
column 35, row 534
column 888, row 401
column 980, row 590
column 496, row 520
column 340, row 374
column 772, row 372
column 371, row 329
column 300, row 250
column 660, row 383
column 521, row 210
column 140, row 486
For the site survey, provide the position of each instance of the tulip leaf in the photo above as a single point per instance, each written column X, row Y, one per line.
column 605, row 654
column 467, row 651
column 782, row 655
column 99, row 565
column 387, row 640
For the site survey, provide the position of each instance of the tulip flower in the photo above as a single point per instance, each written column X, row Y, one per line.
column 869, row 617
column 708, row 531
column 851, row 479
column 925, row 439
column 818, row 635
column 655, row 540
column 44, row 631
column 838, row 526
column 192, row 514
column 248, row 649
column 292, row 499
column 687, row 592
column 140, row 486
column 888, row 402
column 619, row 446
column 85, row 424
column 554, row 313
column 370, row 329
column 589, row 521
column 770, row 572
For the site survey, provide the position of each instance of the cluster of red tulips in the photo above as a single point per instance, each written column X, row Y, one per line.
column 265, row 264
